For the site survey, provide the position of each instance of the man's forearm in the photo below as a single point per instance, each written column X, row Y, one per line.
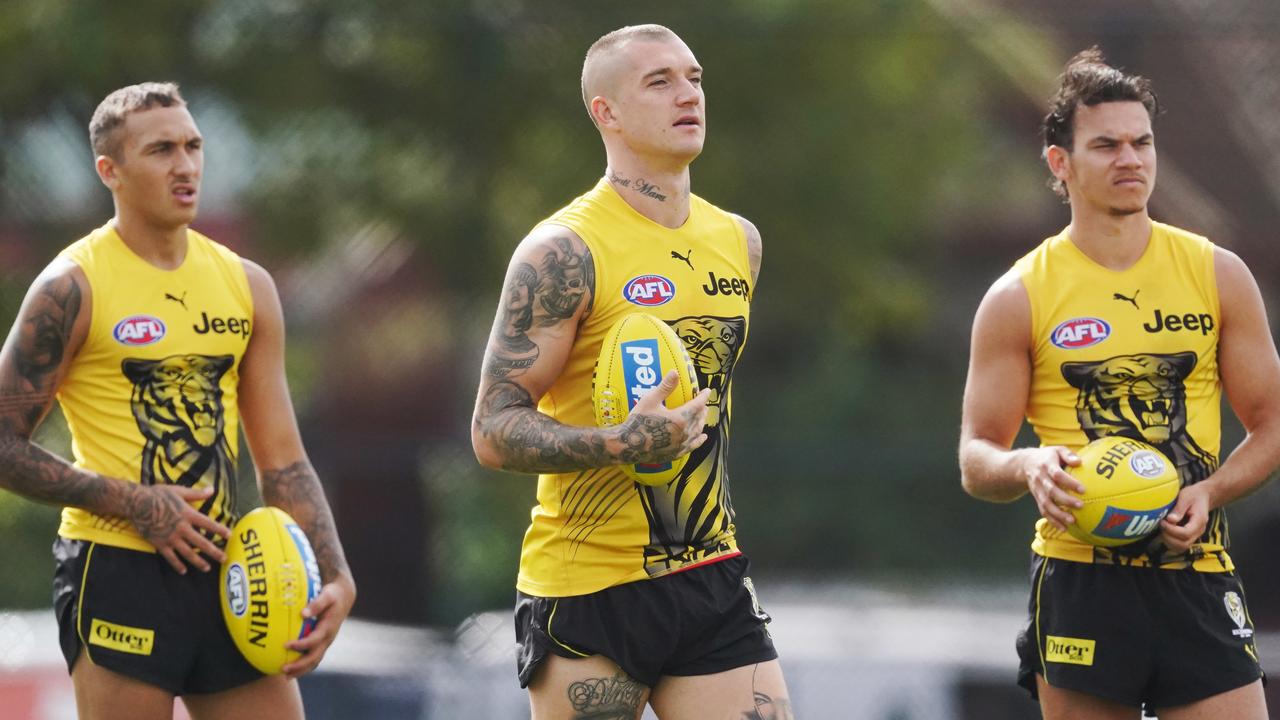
column 531, row 442
column 990, row 472
column 528, row 441
column 33, row 472
column 296, row 489
column 1250, row 465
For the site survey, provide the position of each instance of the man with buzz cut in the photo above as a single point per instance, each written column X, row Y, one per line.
column 156, row 341
column 1123, row 326
column 630, row 594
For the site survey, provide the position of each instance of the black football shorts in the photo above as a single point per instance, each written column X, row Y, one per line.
column 697, row 622
column 135, row 615
column 1140, row 636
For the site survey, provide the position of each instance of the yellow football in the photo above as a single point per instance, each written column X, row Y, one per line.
column 1129, row 487
column 635, row 355
column 268, row 578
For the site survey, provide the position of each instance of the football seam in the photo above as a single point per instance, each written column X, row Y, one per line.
column 1126, row 493
column 294, row 621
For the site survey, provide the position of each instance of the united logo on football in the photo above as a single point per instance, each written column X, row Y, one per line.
column 648, row 290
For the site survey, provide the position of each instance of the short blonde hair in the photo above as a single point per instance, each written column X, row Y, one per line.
column 115, row 107
column 611, row 41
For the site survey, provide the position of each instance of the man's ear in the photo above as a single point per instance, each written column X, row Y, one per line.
column 602, row 112
column 106, row 167
column 1058, row 159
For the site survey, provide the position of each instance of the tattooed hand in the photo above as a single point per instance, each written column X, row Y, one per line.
column 654, row 433
column 164, row 517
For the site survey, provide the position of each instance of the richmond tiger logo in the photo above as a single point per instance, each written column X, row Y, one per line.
column 1143, row 397
column 713, row 344
column 690, row 516
column 177, row 403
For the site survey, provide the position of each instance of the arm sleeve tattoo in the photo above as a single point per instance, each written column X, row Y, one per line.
column 36, row 350
column 297, row 490
column 545, row 292
column 32, row 357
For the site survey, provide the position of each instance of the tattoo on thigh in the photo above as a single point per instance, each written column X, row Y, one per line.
column 768, row 708
column 615, row 698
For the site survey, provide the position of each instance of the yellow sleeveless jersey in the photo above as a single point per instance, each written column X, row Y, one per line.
column 1132, row 353
column 151, row 395
column 597, row 528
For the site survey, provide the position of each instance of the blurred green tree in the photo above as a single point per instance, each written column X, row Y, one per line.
column 455, row 126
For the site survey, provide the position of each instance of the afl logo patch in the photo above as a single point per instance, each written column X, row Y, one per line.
column 139, row 330
column 648, row 290
column 1079, row 333
column 237, row 590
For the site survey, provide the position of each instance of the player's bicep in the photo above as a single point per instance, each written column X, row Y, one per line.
column 548, row 290
column 999, row 379
column 266, row 409
column 1247, row 358
column 48, row 332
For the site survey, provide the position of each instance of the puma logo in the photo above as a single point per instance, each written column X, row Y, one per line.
column 180, row 300
column 684, row 258
column 1131, row 300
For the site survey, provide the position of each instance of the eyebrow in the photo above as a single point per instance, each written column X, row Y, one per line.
column 667, row 71
column 1112, row 138
column 170, row 141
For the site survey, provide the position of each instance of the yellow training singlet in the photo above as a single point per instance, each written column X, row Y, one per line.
column 151, row 396
column 597, row 528
column 1131, row 353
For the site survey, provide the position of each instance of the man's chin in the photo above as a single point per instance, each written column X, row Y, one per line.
column 182, row 217
column 1126, row 210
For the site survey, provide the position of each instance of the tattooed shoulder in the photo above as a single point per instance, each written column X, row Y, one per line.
column 566, row 277
column 551, row 280
column 46, row 334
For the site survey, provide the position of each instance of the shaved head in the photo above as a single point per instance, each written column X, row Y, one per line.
column 601, row 66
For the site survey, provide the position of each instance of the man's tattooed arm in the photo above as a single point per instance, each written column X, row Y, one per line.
column 34, row 358
column 297, row 490
column 549, row 291
column 47, row 333
column 531, row 442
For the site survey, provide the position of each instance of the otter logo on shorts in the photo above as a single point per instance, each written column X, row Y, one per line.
column 1235, row 608
column 1072, row 651
column 132, row 640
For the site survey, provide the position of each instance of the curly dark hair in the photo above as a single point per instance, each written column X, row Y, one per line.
column 1089, row 80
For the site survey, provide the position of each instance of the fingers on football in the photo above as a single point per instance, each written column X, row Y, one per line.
column 1051, row 506
column 662, row 390
column 1057, row 517
column 312, row 647
column 1066, row 484
column 317, row 606
column 302, row 665
column 1068, row 457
